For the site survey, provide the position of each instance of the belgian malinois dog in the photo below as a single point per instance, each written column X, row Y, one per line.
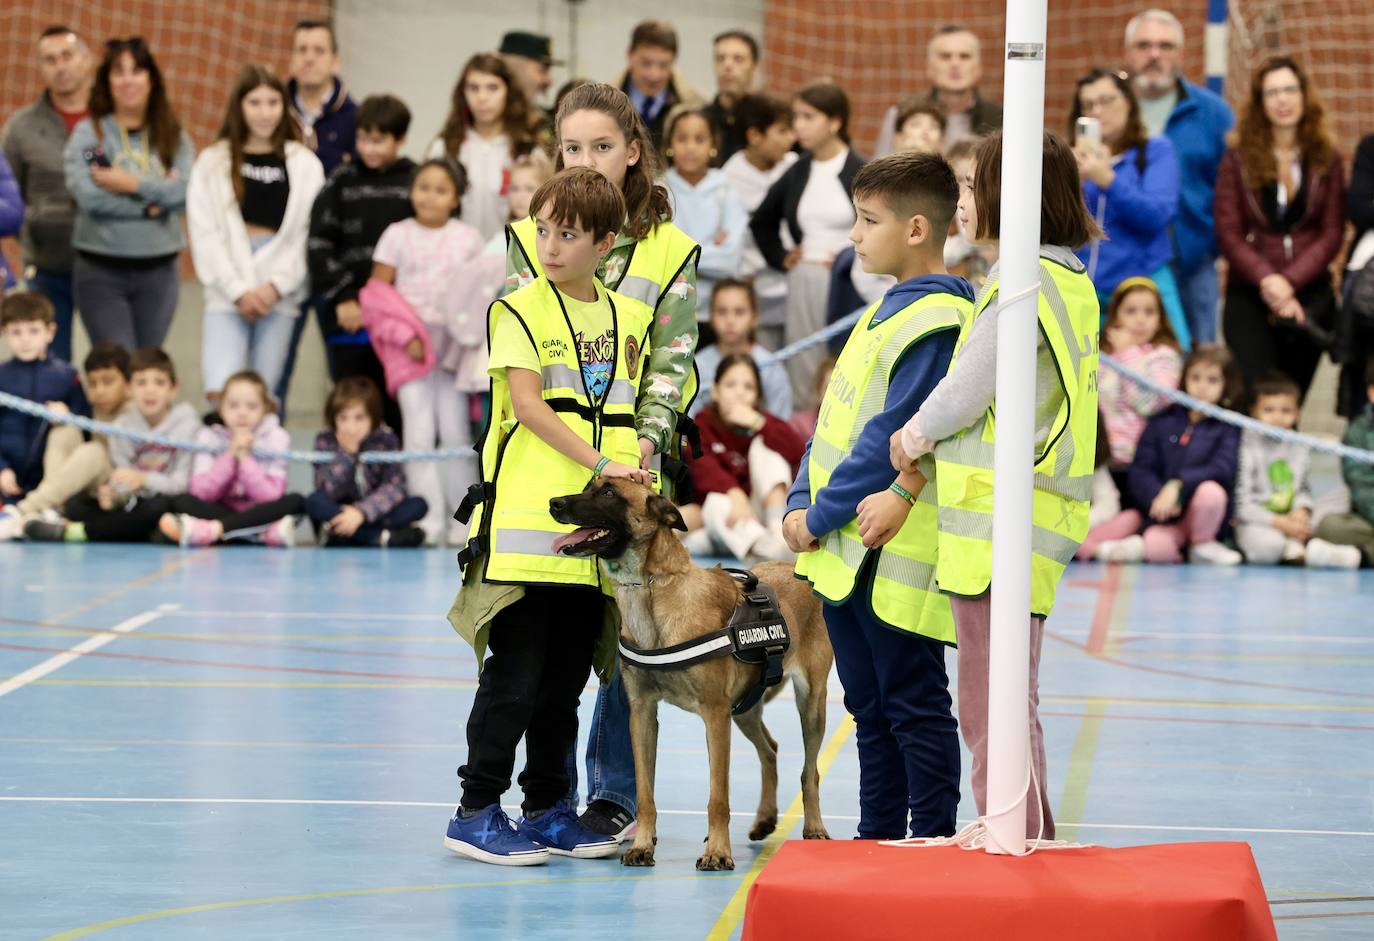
column 666, row 600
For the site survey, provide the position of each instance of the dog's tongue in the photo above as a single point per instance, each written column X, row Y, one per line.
column 573, row 538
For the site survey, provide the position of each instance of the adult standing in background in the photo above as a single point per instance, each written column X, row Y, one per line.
column 529, row 56
column 319, row 101
column 735, row 55
column 1280, row 210
column 11, row 216
column 650, row 80
column 1356, row 337
column 327, row 118
column 127, row 166
column 33, row 143
column 954, row 63
column 1196, row 122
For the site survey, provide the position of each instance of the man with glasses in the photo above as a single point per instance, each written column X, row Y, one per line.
column 34, row 139
column 1196, row 121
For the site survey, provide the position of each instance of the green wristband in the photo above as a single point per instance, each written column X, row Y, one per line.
column 600, row 466
column 902, row 492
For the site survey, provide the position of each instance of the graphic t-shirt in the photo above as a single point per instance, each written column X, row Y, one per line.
column 593, row 329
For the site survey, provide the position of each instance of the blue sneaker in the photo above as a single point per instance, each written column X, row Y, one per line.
column 489, row 837
column 560, row 831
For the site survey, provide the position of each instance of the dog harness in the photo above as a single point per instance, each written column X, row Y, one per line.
column 756, row 633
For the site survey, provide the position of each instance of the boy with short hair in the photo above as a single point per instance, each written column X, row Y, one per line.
column 146, row 476
column 360, row 199
column 567, row 356
column 1357, row 527
column 1273, row 496
column 765, row 124
column 920, row 127
column 71, row 464
column 871, row 558
column 29, row 326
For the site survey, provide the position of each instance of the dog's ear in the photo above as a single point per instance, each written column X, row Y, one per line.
column 665, row 512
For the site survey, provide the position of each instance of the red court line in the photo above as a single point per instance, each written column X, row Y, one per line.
column 1191, row 720
column 1205, row 677
column 1102, row 611
column 234, row 666
column 227, row 642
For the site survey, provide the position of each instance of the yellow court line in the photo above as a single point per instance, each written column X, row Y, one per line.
column 733, row 914
column 86, row 930
column 1079, row 773
column 167, row 568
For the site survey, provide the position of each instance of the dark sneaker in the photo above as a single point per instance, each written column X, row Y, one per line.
column 489, row 837
column 608, row 818
column 407, row 537
column 39, row 530
column 560, row 830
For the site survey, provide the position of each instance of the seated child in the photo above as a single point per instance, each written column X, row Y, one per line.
column 1106, row 498
column 146, row 477
column 749, row 460
column 71, row 464
column 29, row 325
column 1182, row 476
column 358, row 504
column 234, row 495
column 734, row 321
column 1273, row 488
column 1356, row 528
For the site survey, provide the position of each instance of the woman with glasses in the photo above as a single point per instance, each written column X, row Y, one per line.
column 1280, row 206
column 1130, row 183
column 127, row 166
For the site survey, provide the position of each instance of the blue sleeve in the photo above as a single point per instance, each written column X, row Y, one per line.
column 169, row 191
column 799, row 497
column 723, row 260
column 868, row 467
column 1146, row 204
column 11, row 202
column 76, row 398
column 1146, row 477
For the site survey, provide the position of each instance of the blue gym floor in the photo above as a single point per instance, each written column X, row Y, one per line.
column 267, row 749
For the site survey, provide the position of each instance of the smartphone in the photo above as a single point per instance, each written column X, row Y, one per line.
column 95, row 157
column 1089, row 129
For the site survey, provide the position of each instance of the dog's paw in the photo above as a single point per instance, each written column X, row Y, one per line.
column 815, row 833
column 637, row 857
column 715, row 862
column 763, row 827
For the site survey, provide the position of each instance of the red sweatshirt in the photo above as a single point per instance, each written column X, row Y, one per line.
column 724, row 462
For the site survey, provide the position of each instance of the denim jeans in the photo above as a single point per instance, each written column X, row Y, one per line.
column 610, row 760
column 56, row 286
column 1201, row 297
column 231, row 343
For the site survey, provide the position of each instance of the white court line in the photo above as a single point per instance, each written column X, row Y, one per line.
column 679, row 813
column 312, row 615
column 94, row 642
column 1201, row 635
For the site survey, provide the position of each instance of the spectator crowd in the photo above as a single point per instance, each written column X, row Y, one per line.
column 1223, row 269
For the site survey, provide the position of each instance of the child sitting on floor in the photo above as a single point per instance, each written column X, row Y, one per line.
column 734, row 322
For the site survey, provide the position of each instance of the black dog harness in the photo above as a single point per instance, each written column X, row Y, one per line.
column 756, row 633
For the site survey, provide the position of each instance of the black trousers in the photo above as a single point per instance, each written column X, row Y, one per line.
column 137, row 521
column 539, row 658
column 1261, row 345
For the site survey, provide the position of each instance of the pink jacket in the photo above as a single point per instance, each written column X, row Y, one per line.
column 239, row 484
column 391, row 324
column 1126, row 406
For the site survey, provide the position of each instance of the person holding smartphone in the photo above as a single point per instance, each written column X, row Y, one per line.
column 1130, row 184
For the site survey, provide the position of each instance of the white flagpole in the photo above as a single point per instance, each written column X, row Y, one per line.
column 1009, row 667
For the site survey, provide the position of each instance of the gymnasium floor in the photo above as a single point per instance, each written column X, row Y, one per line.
column 265, row 748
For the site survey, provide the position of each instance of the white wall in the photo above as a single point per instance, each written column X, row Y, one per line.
column 415, row 48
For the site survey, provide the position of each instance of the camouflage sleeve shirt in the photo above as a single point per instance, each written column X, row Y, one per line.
column 673, row 337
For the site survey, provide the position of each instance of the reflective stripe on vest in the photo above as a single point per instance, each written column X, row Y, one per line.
column 903, row 586
column 1066, row 442
column 524, row 472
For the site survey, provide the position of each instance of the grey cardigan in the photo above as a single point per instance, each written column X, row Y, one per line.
column 115, row 224
column 33, row 142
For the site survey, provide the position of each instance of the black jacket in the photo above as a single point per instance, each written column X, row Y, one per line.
column 781, row 204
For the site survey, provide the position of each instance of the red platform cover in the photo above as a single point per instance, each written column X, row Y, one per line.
column 858, row 889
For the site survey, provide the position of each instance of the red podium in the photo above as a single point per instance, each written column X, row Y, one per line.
column 858, row 889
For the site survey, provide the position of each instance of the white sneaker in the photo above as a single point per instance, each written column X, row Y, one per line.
column 1213, row 553
column 1130, row 549
column 1293, row 550
column 457, row 534
column 11, row 524
column 1326, row 555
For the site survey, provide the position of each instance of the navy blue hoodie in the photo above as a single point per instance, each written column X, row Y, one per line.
column 868, row 468
column 23, row 437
